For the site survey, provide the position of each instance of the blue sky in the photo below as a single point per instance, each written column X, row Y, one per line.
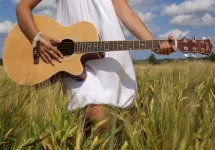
column 162, row 17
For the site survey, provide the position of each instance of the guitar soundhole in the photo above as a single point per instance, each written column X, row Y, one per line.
column 66, row 47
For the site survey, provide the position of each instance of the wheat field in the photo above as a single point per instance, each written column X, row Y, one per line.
column 174, row 110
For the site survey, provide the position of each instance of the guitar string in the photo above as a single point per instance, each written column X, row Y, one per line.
column 113, row 45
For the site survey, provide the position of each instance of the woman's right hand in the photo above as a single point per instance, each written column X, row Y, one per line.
column 48, row 50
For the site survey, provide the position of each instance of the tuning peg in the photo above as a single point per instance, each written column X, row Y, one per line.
column 194, row 38
column 194, row 55
column 203, row 55
column 203, row 38
column 186, row 55
column 186, row 37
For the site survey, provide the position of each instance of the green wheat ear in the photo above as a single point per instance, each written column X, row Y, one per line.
column 174, row 109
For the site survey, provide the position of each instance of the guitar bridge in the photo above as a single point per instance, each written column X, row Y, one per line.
column 36, row 55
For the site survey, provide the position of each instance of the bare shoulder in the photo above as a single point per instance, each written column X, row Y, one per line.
column 29, row 3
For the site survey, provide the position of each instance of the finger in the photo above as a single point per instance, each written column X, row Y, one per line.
column 57, row 53
column 54, row 49
column 164, row 48
column 53, row 54
column 44, row 58
column 170, row 37
column 48, row 58
column 55, row 40
column 161, row 46
column 159, row 51
column 174, row 49
column 168, row 48
column 50, row 47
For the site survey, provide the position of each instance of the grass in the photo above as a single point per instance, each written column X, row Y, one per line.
column 174, row 109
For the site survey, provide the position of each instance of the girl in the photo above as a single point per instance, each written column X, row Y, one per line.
column 110, row 81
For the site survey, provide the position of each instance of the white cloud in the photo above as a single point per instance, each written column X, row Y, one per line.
column 127, row 33
column 45, row 7
column 46, row 12
column 137, row 2
column 5, row 27
column 146, row 17
column 176, row 33
column 47, row 4
column 193, row 20
column 189, row 6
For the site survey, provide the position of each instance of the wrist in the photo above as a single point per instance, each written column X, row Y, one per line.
column 36, row 39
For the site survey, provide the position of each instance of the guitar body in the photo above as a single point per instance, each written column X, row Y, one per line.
column 18, row 53
column 79, row 44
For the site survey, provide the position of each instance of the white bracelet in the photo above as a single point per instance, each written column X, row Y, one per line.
column 36, row 39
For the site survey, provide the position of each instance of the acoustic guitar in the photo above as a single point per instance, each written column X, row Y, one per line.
column 80, row 43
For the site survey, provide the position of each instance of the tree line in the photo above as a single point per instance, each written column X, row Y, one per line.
column 153, row 60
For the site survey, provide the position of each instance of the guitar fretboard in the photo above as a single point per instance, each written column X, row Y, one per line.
column 106, row 46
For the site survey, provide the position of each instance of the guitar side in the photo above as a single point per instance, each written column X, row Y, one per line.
column 18, row 53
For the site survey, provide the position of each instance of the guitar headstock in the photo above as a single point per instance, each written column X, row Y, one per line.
column 187, row 45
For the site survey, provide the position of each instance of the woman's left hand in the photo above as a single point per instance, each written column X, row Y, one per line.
column 166, row 48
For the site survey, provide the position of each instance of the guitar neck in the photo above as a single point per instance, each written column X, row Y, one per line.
column 107, row 46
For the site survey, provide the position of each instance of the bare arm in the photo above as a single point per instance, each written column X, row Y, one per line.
column 30, row 30
column 136, row 26
column 25, row 18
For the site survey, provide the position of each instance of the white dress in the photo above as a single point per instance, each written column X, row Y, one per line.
column 110, row 80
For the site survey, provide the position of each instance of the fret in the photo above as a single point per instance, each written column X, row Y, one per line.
column 139, row 45
column 104, row 46
column 145, row 44
column 97, row 46
column 82, row 47
column 142, row 45
column 133, row 45
column 90, row 46
column 76, row 46
column 100, row 46
column 152, row 44
column 85, row 47
column 130, row 45
column 148, row 44
column 117, row 45
column 108, row 46
column 93, row 47
column 122, row 46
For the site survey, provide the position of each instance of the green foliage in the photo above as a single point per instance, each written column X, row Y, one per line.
column 212, row 57
column 152, row 59
column 1, row 62
column 174, row 109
